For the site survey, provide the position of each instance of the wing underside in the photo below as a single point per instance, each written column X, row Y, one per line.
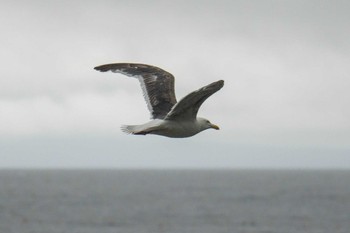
column 157, row 85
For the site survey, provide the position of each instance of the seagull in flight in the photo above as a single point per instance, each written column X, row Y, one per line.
column 168, row 117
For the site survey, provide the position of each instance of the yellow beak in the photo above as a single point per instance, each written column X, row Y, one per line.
column 214, row 126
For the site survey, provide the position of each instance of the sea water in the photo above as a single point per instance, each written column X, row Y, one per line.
column 152, row 201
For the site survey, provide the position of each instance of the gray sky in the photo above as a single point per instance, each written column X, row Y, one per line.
column 285, row 103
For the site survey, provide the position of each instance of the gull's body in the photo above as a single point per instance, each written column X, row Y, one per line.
column 169, row 117
column 168, row 128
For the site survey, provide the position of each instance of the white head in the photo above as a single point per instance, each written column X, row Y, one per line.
column 205, row 124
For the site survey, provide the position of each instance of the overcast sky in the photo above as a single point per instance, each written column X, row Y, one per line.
column 285, row 103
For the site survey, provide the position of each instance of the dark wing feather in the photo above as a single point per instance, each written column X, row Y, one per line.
column 157, row 85
column 187, row 108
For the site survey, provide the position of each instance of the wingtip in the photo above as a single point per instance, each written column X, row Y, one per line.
column 220, row 82
column 100, row 68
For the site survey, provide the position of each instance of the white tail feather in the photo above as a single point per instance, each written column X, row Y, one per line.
column 128, row 129
column 148, row 128
column 132, row 129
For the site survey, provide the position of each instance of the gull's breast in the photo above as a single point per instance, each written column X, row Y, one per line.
column 175, row 129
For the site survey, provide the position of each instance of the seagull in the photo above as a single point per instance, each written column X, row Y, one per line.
column 168, row 117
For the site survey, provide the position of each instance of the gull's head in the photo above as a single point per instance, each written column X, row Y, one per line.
column 205, row 124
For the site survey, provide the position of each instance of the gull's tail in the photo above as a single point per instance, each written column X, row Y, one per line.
column 133, row 129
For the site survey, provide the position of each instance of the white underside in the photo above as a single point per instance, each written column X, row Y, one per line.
column 173, row 129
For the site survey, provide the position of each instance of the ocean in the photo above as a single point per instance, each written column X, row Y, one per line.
column 174, row 201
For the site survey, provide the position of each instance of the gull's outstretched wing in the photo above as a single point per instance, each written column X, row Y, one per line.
column 157, row 85
column 187, row 107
